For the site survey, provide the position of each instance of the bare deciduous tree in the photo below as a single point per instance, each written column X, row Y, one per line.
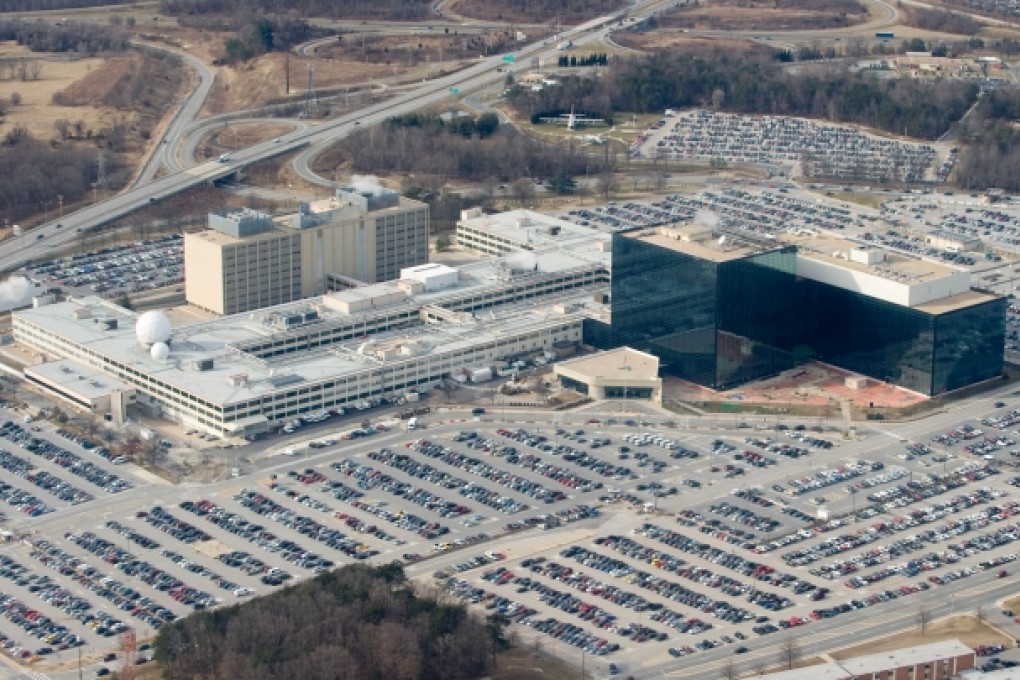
column 924, row 617
column 789, row 651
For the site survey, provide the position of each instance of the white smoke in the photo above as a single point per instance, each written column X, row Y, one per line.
column 16, row 291
column 706, row 218
column 367, row 184
column 522, row 259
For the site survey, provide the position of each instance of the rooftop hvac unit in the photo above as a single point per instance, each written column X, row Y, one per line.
column 202, row 364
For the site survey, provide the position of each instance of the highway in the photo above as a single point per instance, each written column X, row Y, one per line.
column 40, row 242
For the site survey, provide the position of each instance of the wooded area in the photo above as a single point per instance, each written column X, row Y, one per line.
column 67, row 36
column 940, row 20
column 391, row 10
column 38, row 5
column 354, row 623
column 991, row 156
column 754, row 85
column 34, row 173
column 534, row 11
column 503, row 156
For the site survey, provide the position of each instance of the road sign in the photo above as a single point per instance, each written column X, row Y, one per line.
column 509, row 58
column 454, row 90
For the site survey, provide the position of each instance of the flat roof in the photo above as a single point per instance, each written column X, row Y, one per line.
column 220, row 238
column 821, row 671
column 906, row 656
column 214, row 340
column 533, row 228
column 835, row 250
column 616, row 364
column 689, row 239
column 955, row 302
column 78, row 379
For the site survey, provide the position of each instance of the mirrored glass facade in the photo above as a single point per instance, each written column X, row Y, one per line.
column 725, row 321
column 710, row 322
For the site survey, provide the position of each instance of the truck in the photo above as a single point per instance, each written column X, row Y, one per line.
column 412, row 424
column 884, row 35
column 565, row 45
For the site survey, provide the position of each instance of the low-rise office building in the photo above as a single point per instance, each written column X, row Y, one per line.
column 245, row 373
column 616, row 374
column 936, row 661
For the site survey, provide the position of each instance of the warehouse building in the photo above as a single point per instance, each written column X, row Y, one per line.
column 247, row 260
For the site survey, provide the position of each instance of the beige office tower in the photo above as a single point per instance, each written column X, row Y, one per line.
column 247, row 260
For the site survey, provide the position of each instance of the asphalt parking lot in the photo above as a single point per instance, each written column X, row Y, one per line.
column 832, row 151
column 636, row 543
column 113, row 271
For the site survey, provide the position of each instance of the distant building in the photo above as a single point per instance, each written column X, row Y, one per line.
column 936, row 661
column 247, row 260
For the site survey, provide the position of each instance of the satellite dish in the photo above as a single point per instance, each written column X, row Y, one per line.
column 153, row 327
column 160, row 351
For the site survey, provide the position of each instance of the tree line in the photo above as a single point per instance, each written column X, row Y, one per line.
column 940, row 20
column 257, row 36
column 66, row 36
column 34, row 173
column 592, row 59
column 40, row 5
column 394, row 10
column 503, row 156
column 759, row 85
column 464, row 125
column 354, row 623
column 990, row 157
column 534, row 11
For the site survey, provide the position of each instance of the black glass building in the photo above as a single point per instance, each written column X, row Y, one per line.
column 712, row 317
column 721, row 316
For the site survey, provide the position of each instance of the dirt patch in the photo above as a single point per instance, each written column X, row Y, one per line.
column 966, row 629
column 814, row 389
column 211, row 548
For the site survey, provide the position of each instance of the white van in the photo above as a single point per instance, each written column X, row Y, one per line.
column 412, row 424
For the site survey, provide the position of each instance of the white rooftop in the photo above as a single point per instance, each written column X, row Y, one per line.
column 213, row 339
column 78, row 379
column 534, row 229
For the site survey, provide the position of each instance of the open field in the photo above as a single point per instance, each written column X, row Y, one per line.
column 37, row 112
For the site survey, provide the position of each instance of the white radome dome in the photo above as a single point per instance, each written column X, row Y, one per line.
column 152, row 327
column 160, row 351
